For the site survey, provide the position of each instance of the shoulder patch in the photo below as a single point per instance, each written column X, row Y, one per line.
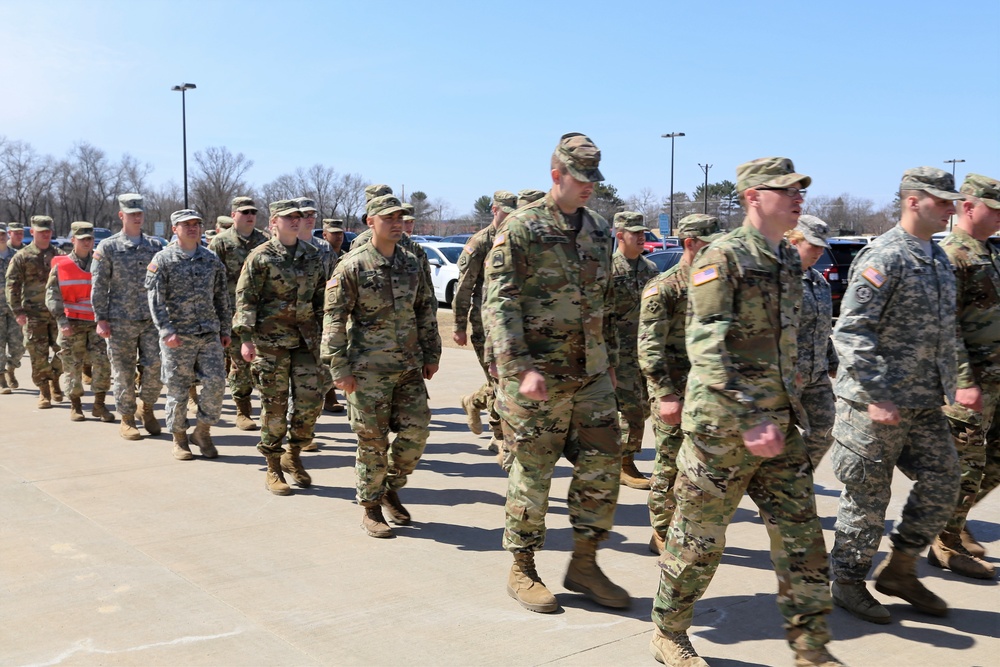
column 97, row 255
column 498, row 259
column 872, row 275
column 651, row 291
column 706, row 275
column 333, row 282
column 499, row 240
column 468, row 248
column 152, row 267
column 863, row 294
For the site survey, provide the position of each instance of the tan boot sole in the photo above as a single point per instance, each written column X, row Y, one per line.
column 538, row 608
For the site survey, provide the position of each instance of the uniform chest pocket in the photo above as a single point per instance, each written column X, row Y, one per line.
column 982, row 287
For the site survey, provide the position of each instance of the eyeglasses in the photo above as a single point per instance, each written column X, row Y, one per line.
column 794, row 193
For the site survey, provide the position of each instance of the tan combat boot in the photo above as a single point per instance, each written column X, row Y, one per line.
column 100, row 410
column 815, row 657
column 330, row 403
column 11, row 378
column 244, row 421
column 657, row 543
column 4, row 388
column 182, row 451
column 88, row 374
column 897, row 576
column 398, row 514
column 274, row 481
column 202, row 437
column 57, row 395
column 854, row 597
column 76, row 409
column 584, row 576
column 128, row 430
column 948, row 552
column 292, row 464
column 631, row 476
column 374, row 523
column 675, row 650
column 311, row 446
column 472, row 416
column 969, row 541
column 44, row 397
column 149, row 421
column 525, row 586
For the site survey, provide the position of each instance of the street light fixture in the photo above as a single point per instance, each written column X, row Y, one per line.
column 705, row 168
column 952, row 163
column 672, row 136
column 183, row 88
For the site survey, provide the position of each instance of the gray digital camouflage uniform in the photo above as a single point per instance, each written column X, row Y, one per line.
column 817, row 359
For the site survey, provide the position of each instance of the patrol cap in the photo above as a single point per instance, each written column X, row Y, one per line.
column 581, row 157
column 241, row 204
column 130, row 203
column 815, row 230
column 528, row 196
column 210, row 233
column 333, row 225
column 775, row 172
column 384, row 205
column 931, row 180
column 81, row 230
column 982, row 187
column 3, row 227
column 376, row 190
column 184, row 215
column 408, row 211
column 15, row 226
column 224, row 221
column 629, row 221
column 505, row 201
column 284, row 207
column 699, row 226
column 306, row 205
column 41, row 222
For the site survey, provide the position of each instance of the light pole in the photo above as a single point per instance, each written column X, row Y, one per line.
column 183, row 88
column 952, row 163
column 672, row 136
column 705, row 168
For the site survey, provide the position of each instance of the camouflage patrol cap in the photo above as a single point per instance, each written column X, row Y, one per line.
column 528, row 196
column 699, row 226
column 505, row 201
column 775, row 172
column 284, row 207
column 225, row 221
column 81, row 230
column 581, row 157
column 931, row 180
column 982, row 187
column 184, row 215
column 384, row 205
column 306, row 205
column 242, row 203
column 15, row 226
column 210, row 233
column 376, row 190
column 815, row 230
column 131, row 203
column 3, row 228
column 408, row 211
column 629, row 221
column 42, row 222
column 333, row 225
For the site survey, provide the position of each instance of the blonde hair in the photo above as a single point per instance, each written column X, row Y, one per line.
column 794, row 236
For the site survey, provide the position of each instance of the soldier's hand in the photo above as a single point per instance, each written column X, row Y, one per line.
column 670, row 409
column 493, row 369
column 971, row 398
column 226, row 341
column 104, row 329
column 430, row 370
column 764, row 440
column 533, row 386
column 460, row 338
column 21, row 320
column 67, row 330
column 346, row 384
column 248, row 351
column 172, row 341
column 885, row 412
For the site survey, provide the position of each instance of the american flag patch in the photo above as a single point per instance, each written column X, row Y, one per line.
column 872, row 275
column 651, row 291
column 333, row 282
column 499, row 240
column 468, row 248
column 706, row 275
column 152, row 267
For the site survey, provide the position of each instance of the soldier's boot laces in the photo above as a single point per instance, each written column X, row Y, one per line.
column 100, row 409
column 149, row 420
column 631, row 477
column 816, row 657
column 675, row 650
column 330, row 403
column 274, row 480
column 244, row 421
column 44, row 397
column 76, row 409
column 182, row 451
column 128, row 430
column 11, row 378
column 897, row 576
column 374, row 523
column 854, row 597
column 202, row 438
column 948, row 552
column 472, row 416
column 969, row 541
column 292, row 464
column 525, row 586
column 4, row 388
column 657, row 543
column 398, row 514
column 57, row 395
column 584, row 576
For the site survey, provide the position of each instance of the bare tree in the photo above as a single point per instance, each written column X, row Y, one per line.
column 219, row 178
column 647, row 203
column 160, row 203
column 350, row 197
column 26, row 179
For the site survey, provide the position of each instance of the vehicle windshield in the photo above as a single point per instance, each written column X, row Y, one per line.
column 452, row 254
column 845, row 252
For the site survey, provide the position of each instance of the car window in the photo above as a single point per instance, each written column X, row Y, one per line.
column 452, row 254
column 432, row 253
column 845, row 252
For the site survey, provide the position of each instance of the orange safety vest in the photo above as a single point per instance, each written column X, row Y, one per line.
column 74, row 283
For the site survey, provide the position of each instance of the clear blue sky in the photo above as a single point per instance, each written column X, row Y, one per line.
column 461, row 98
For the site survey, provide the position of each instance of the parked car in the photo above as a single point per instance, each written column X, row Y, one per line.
column 63, row 243
column 101, row 233
column 429, row 237
column 457, row 238
column 443, row 258
column 654, row 243
column 835, row 263
column 666, row 259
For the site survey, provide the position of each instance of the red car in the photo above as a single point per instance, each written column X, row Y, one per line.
column 654, row 243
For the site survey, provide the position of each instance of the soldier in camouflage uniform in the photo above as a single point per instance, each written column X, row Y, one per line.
column 380, row 334
column 549, row 310
column 525, row 197
column 27, row 276
column 631, row 271
column 123, row 317
column 224, row 222
column 739, row 419
column 467, row 308
column 664, row 364
column 67, row 296
column 889, row 384
column 16, row 231
column 333, row 234
column 11, row 336
column 977, row 274
column 232, row 246
column 278, row 296
column 189, row 301
column 817, row 358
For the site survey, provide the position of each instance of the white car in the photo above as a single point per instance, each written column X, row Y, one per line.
column 443, row 258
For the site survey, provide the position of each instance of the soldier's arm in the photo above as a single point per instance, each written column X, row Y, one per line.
column 157, row 284
column 610, row 323
column 101, row 270
column 425, row 309
column 220, row 297
column 15, row 284
column 654, row 330
column 54, row 300
column 966, row 377
column 470, row 267
column 340, row 296
column 506, row 269
column 248, row 289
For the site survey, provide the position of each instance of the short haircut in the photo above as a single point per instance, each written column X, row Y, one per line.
column 558, row 164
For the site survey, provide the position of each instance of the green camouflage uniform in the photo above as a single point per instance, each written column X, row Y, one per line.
column 27, row 276
column 81, row 347
column 380, row 326
column 188, row 297
column 278, row 297
column 406, row 243
column 548, row 307
column 894, row 291
column 817, row 359
column 11, row 335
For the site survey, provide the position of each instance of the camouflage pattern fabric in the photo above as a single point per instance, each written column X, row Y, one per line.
column 40, row 336
column 669, row 438
column 630, row 277
column 131, row 341
column 971, row 445
column 818, row 402
column 119, row 271
column 817, row 358
column 281, row 374
column 27, row 276
column 991, row 472
column 198, row 359
column 11, row 334
column 364, row 238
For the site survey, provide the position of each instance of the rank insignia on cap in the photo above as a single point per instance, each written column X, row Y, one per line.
column 332, row 282
column 499, row 240
column 651, row 291
column 872, row 275
column 152, row 267
column 706, row 275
